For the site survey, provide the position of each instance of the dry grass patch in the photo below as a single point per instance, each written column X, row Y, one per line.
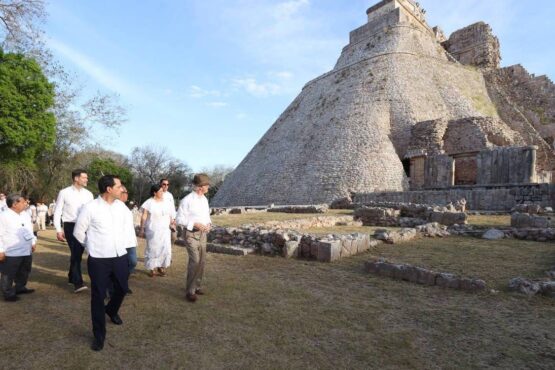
column 490, row 221
column 263, row 312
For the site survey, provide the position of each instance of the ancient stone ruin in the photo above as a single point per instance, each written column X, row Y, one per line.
column 406, row 110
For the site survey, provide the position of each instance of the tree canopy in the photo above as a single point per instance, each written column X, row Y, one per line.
column 27, row 126
column 107, row 166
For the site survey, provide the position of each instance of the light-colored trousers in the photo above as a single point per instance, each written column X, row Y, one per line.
column 196, row 248
column 41, row 220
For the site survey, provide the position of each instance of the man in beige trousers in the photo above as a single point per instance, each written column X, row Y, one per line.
column 193, row 216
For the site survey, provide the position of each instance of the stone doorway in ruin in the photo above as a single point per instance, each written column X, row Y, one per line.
column 466, row 169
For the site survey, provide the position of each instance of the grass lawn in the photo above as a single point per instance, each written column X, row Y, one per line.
column 263, row 312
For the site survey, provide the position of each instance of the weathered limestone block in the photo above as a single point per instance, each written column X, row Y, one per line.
column 395, row 237
column 423, row 276
column 547, row 288
column 377, row 216
column 329, row 251
column 448, row 218
column 493, row 234
column 472, row 285
column 227, row 249
column 525, row 286
column 524, row 220
column 291, row 249
column 447, row 280
column 432, row 230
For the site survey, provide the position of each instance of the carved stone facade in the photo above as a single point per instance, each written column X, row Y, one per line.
column 351, row 129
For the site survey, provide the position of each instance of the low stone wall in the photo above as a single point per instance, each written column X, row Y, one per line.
column 494, row 197
column 532, row 287
column 526, row 221
column 423, row 276
column 236, row 210
column 317, row 208
column 408, row 215
column 289, row 244
column 307, row 223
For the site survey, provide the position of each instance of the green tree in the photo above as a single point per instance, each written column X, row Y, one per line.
column 107, row 166
column 27, row 126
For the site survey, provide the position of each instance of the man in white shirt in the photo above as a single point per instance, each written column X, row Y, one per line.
column 69, row 202
column 17, row 243
column 194, row 216
column 105, row 228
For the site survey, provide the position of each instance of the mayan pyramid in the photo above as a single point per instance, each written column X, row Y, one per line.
column 350, row 129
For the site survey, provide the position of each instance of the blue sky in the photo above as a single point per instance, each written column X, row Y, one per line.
column 207, row 78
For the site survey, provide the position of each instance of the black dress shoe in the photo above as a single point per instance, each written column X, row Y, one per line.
column 25, row 291
column 115, row 318
column 12, row 298
column 97, row 346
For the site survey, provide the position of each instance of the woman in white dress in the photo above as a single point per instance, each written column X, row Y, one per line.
column 156, row 219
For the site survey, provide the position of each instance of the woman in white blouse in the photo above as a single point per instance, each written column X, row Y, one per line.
column 155, row 226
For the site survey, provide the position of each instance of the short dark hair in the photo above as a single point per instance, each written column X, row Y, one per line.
column 76, row 173
column 12, row 199
column 162, row 180
column 154, row 189
column 105, row 182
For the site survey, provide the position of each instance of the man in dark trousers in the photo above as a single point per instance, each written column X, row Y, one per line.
column 17, row 243
column 106, row 230
column 69, row 202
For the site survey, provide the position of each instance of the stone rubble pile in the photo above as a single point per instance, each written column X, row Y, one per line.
column 539, row 235
column 532, row 287
column 423, row 276
column 408, row 214
column 532, row 209
column 309, row 223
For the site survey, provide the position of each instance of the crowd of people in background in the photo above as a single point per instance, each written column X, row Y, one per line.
column 106, row 227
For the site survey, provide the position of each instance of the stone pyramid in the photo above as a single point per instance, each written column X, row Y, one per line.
column 350, row 129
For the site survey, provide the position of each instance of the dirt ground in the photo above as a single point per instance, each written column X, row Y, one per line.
column 269, row 312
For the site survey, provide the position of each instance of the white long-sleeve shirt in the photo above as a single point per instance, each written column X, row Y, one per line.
column 16, row 234
column 168, row 197
column 193, row 209
column 105, row 229
column 69, row 202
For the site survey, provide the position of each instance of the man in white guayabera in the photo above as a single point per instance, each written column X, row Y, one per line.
column 105, row 227
column 17, row 243
column 69, row 202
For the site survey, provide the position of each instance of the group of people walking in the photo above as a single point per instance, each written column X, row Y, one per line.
column 105, row 228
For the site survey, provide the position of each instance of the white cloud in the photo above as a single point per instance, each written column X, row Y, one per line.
column 198, row 92
column 103, row 76
column 288, row 9
column 241, row 116
column 283, row 75
column 255, row 88
column 217, row 104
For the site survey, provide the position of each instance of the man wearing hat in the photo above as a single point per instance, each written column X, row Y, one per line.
column 194, row 216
